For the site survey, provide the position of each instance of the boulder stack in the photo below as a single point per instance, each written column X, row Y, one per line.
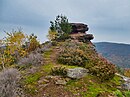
column 79, row 27
column 78, row 32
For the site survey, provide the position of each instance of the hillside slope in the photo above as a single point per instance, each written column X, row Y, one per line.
column 40, row 81
column 118, row 54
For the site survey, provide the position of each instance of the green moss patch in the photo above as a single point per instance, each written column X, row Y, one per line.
column 33, row 78
column 90, row 86
column 47, row 67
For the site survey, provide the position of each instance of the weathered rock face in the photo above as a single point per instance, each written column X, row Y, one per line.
column 79, row 27
column 77, row 73
column 86, row 37
column 78, row 33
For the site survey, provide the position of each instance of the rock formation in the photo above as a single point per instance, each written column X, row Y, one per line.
column 79, row 32
column 77, row 73
column 86, row 37
column 79, row 27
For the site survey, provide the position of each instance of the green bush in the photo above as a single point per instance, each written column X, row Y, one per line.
column 33, row 78
column 74, row 53
column 60, row 28
column 72, row 57
column 118, row 93
column 127, row 93
column 103, row 70
column 59, row 71
column 33, row 43
column 63, row 37
column 105, row 94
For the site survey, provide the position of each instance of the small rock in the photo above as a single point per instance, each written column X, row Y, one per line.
column 128, row 80
column 49, row 77
column 126, row 86
column 42, row 80
column 77, row 73
column 67, row 79
column 43, row 86
column 60, row 82
column 45, row 80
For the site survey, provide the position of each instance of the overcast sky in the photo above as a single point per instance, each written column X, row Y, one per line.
column 108, row 20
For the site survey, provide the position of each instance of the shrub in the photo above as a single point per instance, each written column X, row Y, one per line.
column 73, row 53
column 120, row 70
column 54, row 43
column 97, row 64
column 72, row 57
column 44, row 47
column 106, row 94
column 84, row 55
column 52, row 35
column 33, row 58
column 9, row 83
column 126, row 93
column 118, row 93
column 31, row 79
column 63, row 37
column 33, row 43
column 60, row 28
column 11, row 48
column 6, row 60
column 103, row 70
column 127, row 72
column 59, row 71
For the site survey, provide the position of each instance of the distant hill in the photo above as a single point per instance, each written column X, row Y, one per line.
column 117, row 53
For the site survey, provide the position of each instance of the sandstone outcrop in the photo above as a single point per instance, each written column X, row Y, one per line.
column 79, row 27
column 79, row 32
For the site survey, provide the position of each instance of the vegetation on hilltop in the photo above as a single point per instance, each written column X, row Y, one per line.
column 59, row 29
column 16, row 45
column 84, row 55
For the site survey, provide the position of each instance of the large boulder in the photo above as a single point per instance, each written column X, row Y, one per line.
column 79, row 27
column 77, row 73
